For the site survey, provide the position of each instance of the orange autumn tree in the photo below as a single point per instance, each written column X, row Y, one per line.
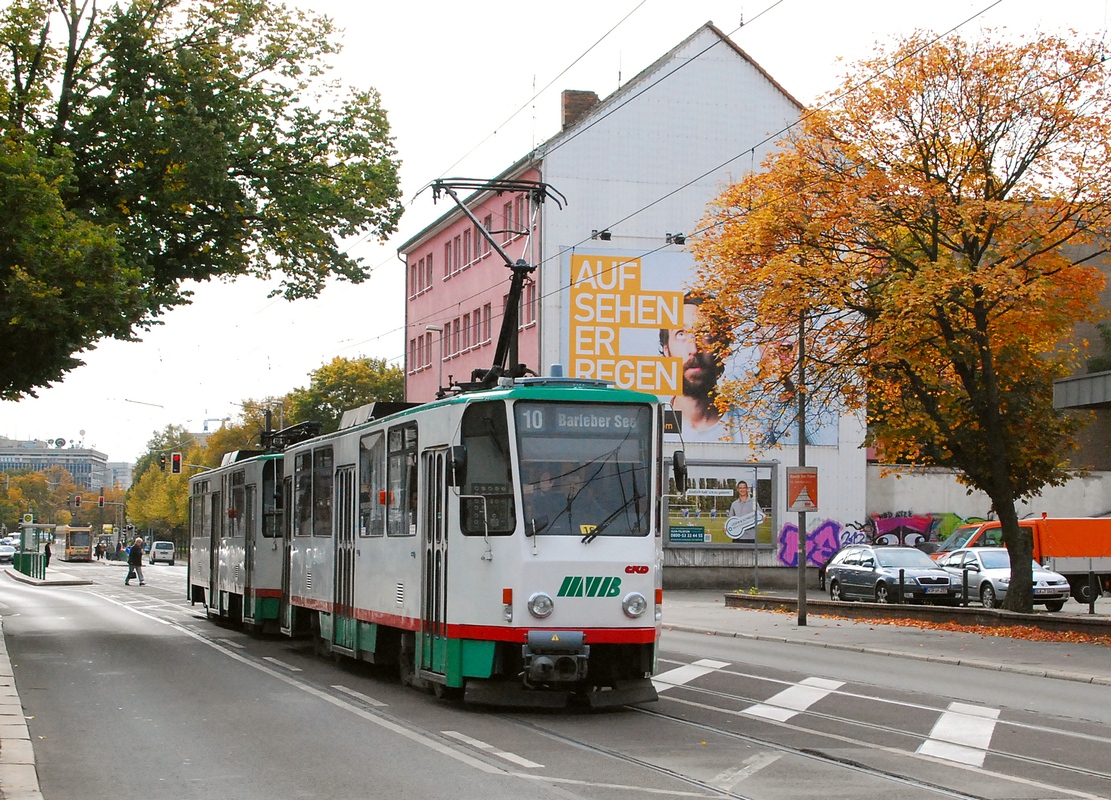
column 923, row 229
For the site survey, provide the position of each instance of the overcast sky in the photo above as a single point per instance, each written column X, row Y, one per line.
column 456, row 80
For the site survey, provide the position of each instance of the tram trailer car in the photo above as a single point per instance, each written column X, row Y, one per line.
column 500, row 545
column 235, row 545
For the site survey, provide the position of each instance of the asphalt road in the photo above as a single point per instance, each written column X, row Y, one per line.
column 130, row 693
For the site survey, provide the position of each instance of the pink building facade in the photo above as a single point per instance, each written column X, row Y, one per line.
column 456, row 289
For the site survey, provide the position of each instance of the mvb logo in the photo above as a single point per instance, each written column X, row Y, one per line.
column 577, row 586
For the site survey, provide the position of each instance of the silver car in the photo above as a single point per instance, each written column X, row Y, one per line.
column 989, row 576
column 867, row 572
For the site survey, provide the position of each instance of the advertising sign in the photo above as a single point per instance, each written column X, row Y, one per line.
column 802, row 488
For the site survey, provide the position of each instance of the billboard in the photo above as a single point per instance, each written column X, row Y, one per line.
column 628, row 320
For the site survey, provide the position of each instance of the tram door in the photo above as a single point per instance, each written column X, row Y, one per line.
column 434, row 583
column 250, row 611
column 344, row 532
column 285, row 611
column 216, row 514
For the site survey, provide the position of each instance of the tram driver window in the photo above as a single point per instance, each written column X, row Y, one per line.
column 486, row 438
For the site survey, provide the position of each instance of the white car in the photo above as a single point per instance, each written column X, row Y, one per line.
column 7, row 553
column 162, row 551
column 989, row 576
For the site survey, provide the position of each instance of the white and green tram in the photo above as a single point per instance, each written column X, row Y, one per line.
column 502, row 545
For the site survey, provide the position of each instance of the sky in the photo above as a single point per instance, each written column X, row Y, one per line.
column 458, row 82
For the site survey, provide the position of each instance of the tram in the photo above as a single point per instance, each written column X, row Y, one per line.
column 75, row 542
column 501, row 544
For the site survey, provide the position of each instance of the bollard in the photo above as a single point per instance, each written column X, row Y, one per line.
column 1092, row 588
column 902, row 580
column 964, row 588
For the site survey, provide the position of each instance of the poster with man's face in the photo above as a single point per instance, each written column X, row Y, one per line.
column 630, row 321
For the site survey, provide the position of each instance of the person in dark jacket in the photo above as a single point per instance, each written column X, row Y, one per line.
column 135, row 562
column 46, row 556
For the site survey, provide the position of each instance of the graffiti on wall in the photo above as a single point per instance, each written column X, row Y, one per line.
column 827, row 537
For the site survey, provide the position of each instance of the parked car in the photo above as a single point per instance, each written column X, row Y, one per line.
column 869, row 572
column 7, row 553
column 162, row 551
column 989, row 576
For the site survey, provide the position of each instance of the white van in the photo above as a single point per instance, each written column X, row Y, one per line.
column 162, row 551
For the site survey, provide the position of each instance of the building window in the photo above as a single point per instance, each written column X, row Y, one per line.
column 488, row 224
column 456, row 254
column 466, row 331
column 455, row 335
column 487, row 310
column 413, row 284
column 467, row 247
column 448, row 353
column 447, row 258
column 428, row 273
column 523, row 225
column 412, row 355
column 428, row 349
column 476, row 332
column 507, row 210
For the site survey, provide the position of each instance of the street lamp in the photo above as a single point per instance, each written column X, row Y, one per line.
column 440, row 358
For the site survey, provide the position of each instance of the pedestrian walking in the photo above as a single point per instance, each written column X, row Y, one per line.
column 135, row 562
column 46, row 556
column 119, row 551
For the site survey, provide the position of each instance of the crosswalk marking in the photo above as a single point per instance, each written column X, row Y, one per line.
column 793, row 699
column 962, row 734
column 686, row 673
column 729, row 778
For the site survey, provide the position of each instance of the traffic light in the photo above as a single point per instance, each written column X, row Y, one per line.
column 175, row 463
column 100, row 501
column 162, row 461
column 77, row 501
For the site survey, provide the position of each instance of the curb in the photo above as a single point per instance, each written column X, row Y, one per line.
column 19, row 778
column 19, row 576
column 1078, row 677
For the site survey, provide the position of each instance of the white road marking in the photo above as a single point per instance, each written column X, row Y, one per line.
column 229, row 643
column 962, row 734
column 729, row 778
column 794, row 699
column 281, row 664
column 489, row 748
column 686, row 673
column 359, row 695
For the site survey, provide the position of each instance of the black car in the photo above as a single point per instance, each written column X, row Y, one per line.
column 873, row 573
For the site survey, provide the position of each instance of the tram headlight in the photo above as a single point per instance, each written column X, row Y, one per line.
column 540, row 605
column 634, row 604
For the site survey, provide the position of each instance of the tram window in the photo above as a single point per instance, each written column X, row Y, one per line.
column 486, row 436
column 372, row 485
column 322, row 491
column 302, row 476
column 238, row 507
column 401, row 482
column 272, row 499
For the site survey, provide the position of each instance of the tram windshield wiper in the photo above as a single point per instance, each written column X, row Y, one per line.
column 601, row 527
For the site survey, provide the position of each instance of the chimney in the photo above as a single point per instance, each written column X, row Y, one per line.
column 576, row 105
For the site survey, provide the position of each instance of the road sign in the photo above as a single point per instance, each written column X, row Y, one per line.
column 28, row 518
column 802, row 488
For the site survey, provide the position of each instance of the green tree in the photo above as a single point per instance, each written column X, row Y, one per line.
column 163, row 141
column 342, row 384
column 919, row 229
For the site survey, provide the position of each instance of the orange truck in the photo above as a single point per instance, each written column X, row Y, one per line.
column 1072, row 546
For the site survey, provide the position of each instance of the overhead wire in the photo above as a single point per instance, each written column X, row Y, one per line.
column 774, row 136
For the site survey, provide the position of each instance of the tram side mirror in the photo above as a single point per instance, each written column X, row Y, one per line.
column 679, row 468
column 458, row 466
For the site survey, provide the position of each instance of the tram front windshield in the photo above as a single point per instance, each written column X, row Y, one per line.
column 585, row 469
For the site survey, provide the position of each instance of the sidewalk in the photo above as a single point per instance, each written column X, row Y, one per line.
column 704, row 611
